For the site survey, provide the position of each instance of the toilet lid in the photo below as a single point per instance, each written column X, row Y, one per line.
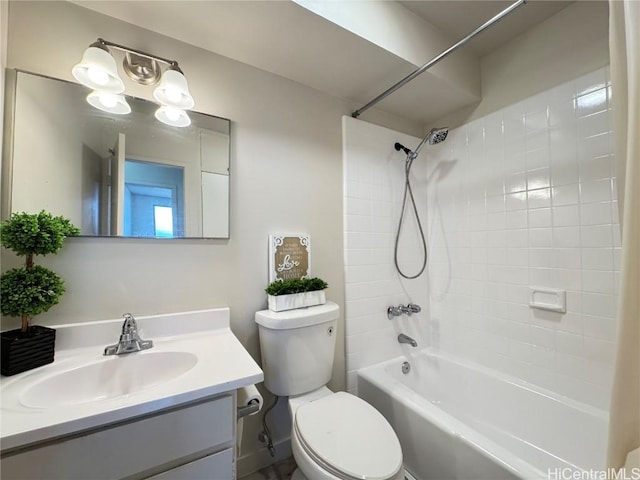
column 348, row 437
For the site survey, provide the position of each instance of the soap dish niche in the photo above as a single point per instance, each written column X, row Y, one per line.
column 544, row 298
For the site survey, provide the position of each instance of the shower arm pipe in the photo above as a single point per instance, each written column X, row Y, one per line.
column 441, row 56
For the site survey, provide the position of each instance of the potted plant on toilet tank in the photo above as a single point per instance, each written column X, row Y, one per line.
column 30, row 290
column 296, row 293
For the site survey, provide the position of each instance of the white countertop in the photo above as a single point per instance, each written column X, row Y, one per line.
column 223, row 365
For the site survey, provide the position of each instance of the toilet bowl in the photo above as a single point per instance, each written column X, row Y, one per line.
column 340, row 436
column 334, row 436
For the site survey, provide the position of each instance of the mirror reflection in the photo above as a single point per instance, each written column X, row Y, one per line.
column 117, row 175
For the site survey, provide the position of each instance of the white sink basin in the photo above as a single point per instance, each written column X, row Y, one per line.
column 194, row 356
column 111, row 377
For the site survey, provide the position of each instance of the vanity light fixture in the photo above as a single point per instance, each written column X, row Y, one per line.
column 109, row 102
column 173, row 90
column 173, row 116
column 98, row 70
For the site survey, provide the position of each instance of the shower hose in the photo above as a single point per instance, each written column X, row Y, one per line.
column 408, row 192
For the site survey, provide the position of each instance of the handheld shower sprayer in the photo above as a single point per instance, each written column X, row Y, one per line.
column 436, row 135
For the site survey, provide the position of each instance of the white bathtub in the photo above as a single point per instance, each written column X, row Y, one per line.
column 457, row 420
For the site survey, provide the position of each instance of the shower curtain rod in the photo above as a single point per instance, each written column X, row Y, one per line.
column 435, row 60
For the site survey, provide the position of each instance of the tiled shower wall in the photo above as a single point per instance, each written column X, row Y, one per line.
column 526, row 197
column 522, row 197
column 373, row 188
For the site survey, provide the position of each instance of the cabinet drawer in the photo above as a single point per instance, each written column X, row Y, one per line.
column 218, row 466
column 129, row 449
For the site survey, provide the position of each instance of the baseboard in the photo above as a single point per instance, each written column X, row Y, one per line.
column 259, row 459
column 408, row 476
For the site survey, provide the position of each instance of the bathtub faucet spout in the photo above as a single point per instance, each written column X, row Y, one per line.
column 402, row 338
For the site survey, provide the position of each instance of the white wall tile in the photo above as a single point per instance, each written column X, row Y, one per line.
column 566, row 237
column 595, row 146
column 517, row 219
column 590, row 103
column 540, row 217
column 597, row 236
column 559, row 231
column 530, row 201
column 595, row 124
column 566, row 216
column 540, row 237
column 565, row 194
column 597, row 168
column 599, row 305
column 516, row 182
column 542, row 257
column 595, row 191
column 598, row 281
column 599, row 327
column 598, row 258
column 567, row 258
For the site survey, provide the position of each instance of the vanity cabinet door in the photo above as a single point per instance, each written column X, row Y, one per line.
column 136, row 449
column 218, row 466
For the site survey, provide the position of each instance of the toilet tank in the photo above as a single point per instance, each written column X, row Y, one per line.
column 297, row 348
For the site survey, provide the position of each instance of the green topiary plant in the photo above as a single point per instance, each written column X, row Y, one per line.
column 32, row 290
column 288, row 287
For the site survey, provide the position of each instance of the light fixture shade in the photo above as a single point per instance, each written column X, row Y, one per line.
column 173, row 90
column 98, row 70
column 109, row 102
column 173, row 116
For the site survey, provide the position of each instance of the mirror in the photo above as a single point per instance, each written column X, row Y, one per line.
column 115, row 175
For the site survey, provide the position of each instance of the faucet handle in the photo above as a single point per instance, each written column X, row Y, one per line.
column 393, row 312
column 414, row 308
column 129, row 324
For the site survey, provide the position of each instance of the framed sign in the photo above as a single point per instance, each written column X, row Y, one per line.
column 289, row 257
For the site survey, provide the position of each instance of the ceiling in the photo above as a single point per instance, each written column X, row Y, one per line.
column 291, row 41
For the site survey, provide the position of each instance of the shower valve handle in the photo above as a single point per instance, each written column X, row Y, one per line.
column 414, row 308
column 402, row 310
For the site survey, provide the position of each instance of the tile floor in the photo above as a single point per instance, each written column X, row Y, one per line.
column 282, row 470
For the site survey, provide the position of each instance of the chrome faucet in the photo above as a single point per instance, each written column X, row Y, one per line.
column 413, row 308
column 402, row 309
column 402, row 338
column 409, row 309
column 129, row 341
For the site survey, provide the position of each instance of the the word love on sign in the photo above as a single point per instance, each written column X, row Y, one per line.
column 289, row 257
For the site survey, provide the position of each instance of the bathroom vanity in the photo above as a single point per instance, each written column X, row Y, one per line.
column 164, row 413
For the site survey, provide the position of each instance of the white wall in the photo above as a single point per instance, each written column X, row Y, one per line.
column 527, row 198
column 373, row 190
column 286, row 176
column 4, row 33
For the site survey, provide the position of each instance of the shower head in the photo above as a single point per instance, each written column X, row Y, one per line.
column 437, row 135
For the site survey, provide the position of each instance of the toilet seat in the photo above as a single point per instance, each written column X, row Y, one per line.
column 348, row 438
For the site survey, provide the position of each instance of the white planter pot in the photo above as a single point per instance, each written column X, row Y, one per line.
column 281, row 303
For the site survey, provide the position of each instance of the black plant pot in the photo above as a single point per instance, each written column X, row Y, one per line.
column 22, row 351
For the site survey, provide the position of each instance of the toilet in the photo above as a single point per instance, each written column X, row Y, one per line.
column 333, row 435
